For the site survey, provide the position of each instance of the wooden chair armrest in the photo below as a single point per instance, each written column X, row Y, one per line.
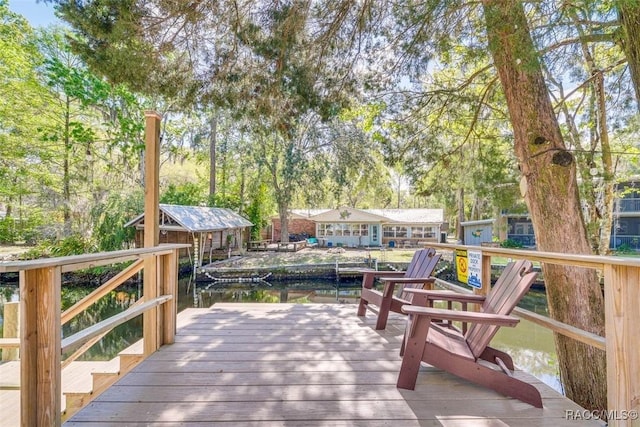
column 408, row 279
column 378, row 273
column 461, row 316
column 443, row 295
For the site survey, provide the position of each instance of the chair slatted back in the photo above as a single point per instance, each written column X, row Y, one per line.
column 422, row 265
column 511, row 286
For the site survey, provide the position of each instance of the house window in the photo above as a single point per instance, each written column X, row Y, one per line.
column 394, row 231
column 325, row 230
column 523, row 228
column 423, row 232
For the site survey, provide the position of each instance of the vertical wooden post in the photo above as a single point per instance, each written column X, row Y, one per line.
column 11, row 328
column 486, row 275
column 622, row 317
column 170, row 287
column 151, row 218
column 40, row 352
column 486, row 279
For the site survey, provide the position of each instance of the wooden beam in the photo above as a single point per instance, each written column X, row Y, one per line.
column 151, row 228
column 151, row 178
column 110, row 323
column 40, row 376
column 10, row 342
column 169, row 287
column 103, row 290
column 622, row 317
column 77, row 262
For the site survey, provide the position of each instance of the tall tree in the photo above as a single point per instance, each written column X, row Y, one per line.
column 23, row 102
column 551, row 192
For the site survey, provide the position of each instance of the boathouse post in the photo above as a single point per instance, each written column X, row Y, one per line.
column 151, row 318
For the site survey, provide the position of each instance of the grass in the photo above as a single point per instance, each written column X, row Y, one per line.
column 317, row 256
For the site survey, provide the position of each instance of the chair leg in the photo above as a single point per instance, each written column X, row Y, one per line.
column 367, row 283
column 416, row 340
column 383, row 314
column 362, row 307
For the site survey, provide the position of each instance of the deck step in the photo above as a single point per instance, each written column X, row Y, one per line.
column 102, row 376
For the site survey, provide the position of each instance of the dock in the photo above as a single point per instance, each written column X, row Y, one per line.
column 300, row 365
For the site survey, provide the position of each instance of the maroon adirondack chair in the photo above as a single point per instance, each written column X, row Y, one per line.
column 461, row 354
column 417, row 275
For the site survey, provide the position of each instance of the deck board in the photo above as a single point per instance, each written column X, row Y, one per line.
column 299, row 365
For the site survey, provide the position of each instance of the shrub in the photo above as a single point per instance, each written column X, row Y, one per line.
column 510, row 243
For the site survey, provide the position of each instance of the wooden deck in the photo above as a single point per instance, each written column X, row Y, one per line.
column 299, row 365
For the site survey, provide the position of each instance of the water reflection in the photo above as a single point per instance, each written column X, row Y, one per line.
column 296, row 292
column 530, row 345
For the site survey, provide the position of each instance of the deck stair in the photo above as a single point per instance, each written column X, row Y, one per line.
column 87, row 380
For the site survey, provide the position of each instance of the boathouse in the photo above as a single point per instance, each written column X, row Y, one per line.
column 206, row 229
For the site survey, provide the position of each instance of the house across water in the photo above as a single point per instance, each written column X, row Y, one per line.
column 350, row 227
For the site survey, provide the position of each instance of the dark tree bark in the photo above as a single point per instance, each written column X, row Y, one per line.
column 551, row 192
column 630, row 19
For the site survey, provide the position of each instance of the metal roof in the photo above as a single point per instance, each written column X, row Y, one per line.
column 200, row 219
column 410, row 216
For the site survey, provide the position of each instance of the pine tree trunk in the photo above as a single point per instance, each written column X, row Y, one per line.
column 551, row 193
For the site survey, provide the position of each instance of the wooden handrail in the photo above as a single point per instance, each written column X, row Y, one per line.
column 622, row 317
column 103, row 290
column 546, row 322
column 589, row 261
column 79, row 262
column 110, row 323
column 41, row 344
column 9, row 342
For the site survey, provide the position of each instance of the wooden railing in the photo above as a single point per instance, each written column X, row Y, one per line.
column 622, row 319
column 41, row 319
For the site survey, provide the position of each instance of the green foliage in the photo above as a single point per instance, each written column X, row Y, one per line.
column 231, row 201
column 109, row 219
column 74, row 244
column 28, row 228
column 186, row 194
column 625, row 248
column 509, row 243
column 257, row 211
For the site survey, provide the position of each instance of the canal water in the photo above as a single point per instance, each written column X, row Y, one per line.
column 530, row 345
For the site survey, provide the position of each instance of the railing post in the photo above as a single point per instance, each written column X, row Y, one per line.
column 10, row 328
column 40, row 376
column 622, row 320
column 151, row 219
column 169, row 287
column 486, row 279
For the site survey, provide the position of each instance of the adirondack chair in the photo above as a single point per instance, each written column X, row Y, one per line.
column 417, row 275
column 466, row 355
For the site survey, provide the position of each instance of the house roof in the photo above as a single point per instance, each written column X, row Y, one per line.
column 410, row 216
column 400, row 216
column 200, row 219
column 348, row 215
column 306, row 213
column 478, row 222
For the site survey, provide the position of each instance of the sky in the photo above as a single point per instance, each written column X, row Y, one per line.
column 38, row 14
